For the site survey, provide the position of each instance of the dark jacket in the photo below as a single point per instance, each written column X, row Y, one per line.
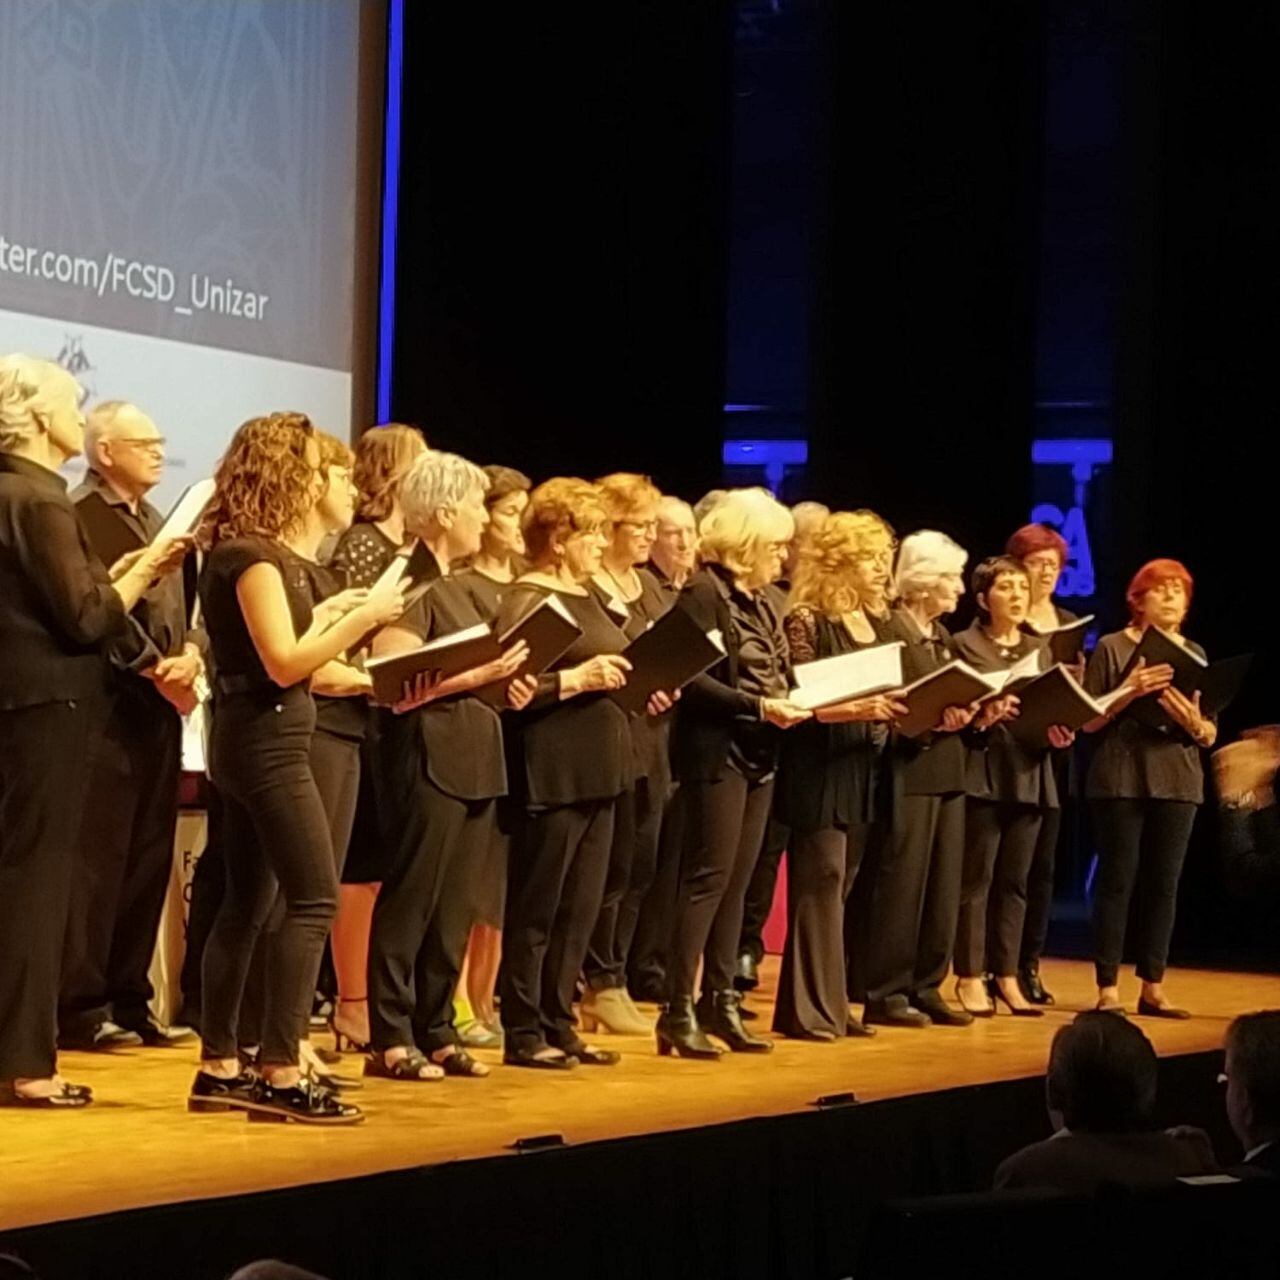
column 1082, row 1162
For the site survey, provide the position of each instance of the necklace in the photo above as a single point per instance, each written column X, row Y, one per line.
column 624, row 589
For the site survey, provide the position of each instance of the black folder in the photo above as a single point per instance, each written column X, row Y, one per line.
column 1222, row 682
column 1066, row 643
column 548, row 629
column 955, row 685
column 445, row 656
column 666, row 657
column 1159, row 647
column 1055, row 697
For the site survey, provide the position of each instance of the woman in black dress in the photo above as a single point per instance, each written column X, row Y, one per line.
column 725, row 755
column 383, row 455
column 58, row 612
column 634, row 599
column 1144, row 786
column 1009, row 788
column 573, row 760
column 1043, row 553
column 267, row 642
column 440, row 769
column 830, row 785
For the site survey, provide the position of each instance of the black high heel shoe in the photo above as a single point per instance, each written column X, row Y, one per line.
column 342, row 1042
column 678, row 1032
column 720, row 1015
column 1031, row 1012
column 1032, row 987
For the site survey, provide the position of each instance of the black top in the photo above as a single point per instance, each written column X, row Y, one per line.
column 578, row 750
column 486, row 593
column 934, row 763
column 999, row 767
column 718, row 722
column 830, row 773
column 239, row 669
column 341, row 717
column 362, row 553
column 57, row 607
column 1130, row 760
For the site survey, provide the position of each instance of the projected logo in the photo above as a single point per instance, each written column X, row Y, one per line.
column 1084, row 458
column 73, row 359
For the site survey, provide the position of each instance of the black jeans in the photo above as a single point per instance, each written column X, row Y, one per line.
column 44, row 754
column 650, row 950
column 275, row 841
column 762, row 887
column 999, row 844
column 1141, row 845
column 916, row 897
column 123, row 865
column 724, row 824
column 1035, row 930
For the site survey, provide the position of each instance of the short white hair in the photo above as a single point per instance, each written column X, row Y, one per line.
column 809, row 517
column 103, row 422
column 676, row 509
column 27, row 384
column 437, row 481
column 736, row 530
column 923, row 558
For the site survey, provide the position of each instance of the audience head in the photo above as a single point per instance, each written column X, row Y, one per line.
column 1159, row 595
column 1043, row 552
column 930, row 572
column 1253, row 1077
column 1102, row 1076
column 747, row 532
column 675, row 545
column 808, row 518
column 337, row 506
column 1001, row 591
column 124, row 446
column 442, row 498
column 506, row 500
column 268, row 482
column 39, row 410
column 631, row 503
column 383, row 455
column 841, row 563
column 565, row 527
column 704, row 504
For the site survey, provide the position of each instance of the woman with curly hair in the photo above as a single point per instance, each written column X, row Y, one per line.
column 830, row 782
column 267, row 641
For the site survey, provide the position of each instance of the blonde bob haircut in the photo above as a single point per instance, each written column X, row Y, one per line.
column 27, row 386
column 625, row 495
column 829, row 557
column 383, row 455
column 737, row 530
column 559, row 508
column 924, row 558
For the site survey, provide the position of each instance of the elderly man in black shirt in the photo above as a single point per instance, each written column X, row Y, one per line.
column 126, row 843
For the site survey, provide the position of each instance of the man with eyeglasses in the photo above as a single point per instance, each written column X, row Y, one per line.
column 126, row 844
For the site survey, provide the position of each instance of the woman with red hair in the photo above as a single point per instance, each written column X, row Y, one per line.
column 1144, row 785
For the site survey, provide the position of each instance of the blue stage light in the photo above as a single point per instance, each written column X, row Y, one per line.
column 390, row 205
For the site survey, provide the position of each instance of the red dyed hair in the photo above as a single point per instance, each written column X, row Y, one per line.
column 1036, row 537
column 1151, row 575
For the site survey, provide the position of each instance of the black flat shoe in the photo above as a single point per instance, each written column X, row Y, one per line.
column 70, row 1097
column 1033, row 989
column 939, row 1012
column 746, row 976
column 302, row 1103
column 526, row 1058
column 214, row 1093
column 154, row 1036
column 589, row 1056
column 895, row 1013
column 720, row 1015
column 1148, row 1010
column 678, row 1032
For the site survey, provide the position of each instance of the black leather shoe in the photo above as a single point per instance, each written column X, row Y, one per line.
column 70, row 1097
column 747, row 975
column 304, row 1103
column 215, row 1093
column 103, row 1038
column 894, row 1012
column 1032, row 988
column 939, row 1012
column 678, row 1032
column 720, row 1015
column 1148, row 1010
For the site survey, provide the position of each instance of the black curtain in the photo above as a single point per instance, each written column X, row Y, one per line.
column 924, row 332
column 561, row 275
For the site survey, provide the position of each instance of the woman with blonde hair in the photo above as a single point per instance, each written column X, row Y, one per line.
column 725, row 755
column 268, row 640
column 831, row 784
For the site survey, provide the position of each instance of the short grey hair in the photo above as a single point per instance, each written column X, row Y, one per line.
column 924, row 558
column 672, row 508
column 437, row 481
column 809, row 517
column 102, row 422
column 27, row 383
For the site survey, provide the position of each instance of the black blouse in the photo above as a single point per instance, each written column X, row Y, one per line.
column 999, row 767
column 1130, row 760
column 362, row 553
column 486, row 593
column 577, row 750
column 830, row 773
column 340, row 717
column 461, row 737
column 235, row 656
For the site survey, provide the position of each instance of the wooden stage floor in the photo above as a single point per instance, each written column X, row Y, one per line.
column 137, row 1146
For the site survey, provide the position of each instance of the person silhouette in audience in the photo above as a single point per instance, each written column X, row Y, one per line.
column 1252, row 1078
column 1101, row 1089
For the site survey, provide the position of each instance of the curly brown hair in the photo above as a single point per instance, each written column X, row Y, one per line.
column 266, row 480
column 383, row 455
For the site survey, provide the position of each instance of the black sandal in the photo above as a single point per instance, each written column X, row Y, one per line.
column 590, row 1057
column 407, row 1068
column 528, row 1058
column 461, row 1063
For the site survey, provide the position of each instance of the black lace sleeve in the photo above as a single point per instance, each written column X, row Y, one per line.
column 801, row 627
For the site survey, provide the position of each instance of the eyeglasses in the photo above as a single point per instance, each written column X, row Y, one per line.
column 641, row 526
column 149, row 444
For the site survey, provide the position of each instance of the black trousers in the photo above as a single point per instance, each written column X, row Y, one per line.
column 633, row 862
column 559, row 862
column 999, row 844
column 858, row 910
column 44, row 754
column 916, row 897
column 762, row 887
column 1040, row 880
column 123, row 864
column 424, row 914
column 1142, row 845
column 650, row 950
column 724, row 826
column 208, row 885
column 275, row 842
column 821, row 869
